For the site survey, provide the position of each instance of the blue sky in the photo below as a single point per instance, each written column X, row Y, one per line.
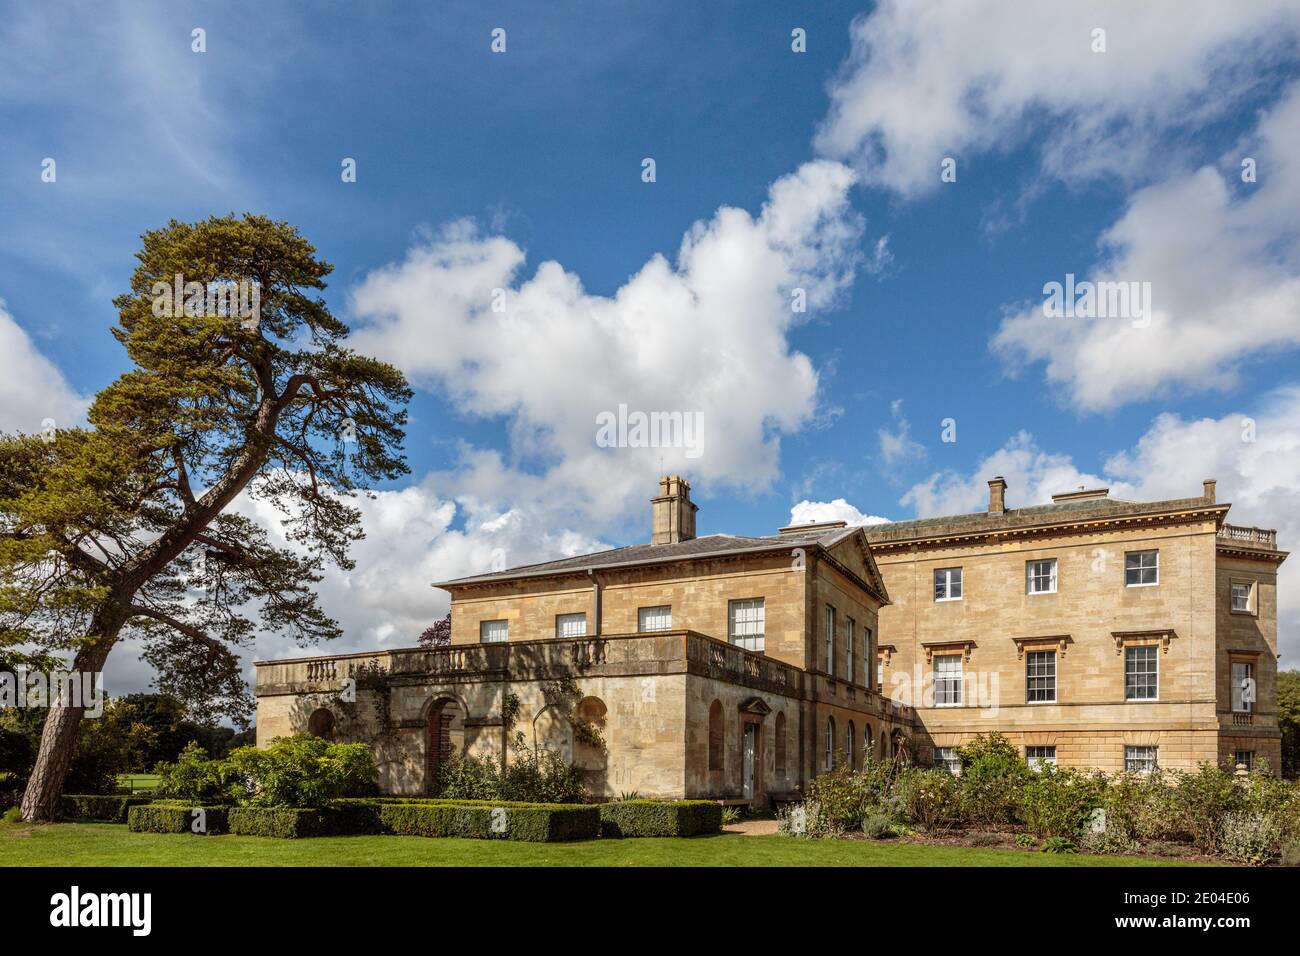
column 1122, row 163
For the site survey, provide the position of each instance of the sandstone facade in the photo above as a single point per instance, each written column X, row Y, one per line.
column 741, row 667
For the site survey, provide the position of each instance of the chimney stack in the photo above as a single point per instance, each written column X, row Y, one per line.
column 997, row 495
column 672, row 512
column 1208, row 484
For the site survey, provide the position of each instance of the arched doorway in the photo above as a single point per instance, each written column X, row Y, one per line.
column 589, row 753
column 445, row 735
column 321, row 723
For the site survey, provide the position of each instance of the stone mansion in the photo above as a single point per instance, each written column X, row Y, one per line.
column 1092, row 632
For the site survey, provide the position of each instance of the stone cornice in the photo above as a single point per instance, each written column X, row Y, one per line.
column 1008, row 527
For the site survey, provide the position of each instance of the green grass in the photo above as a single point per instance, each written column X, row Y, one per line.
column 138, row 781
column 104, row 844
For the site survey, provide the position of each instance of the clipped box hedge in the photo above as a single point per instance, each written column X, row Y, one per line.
column 660, row 818
column 287, row 823
column 533, row 822
column 97, row 808
column 168, row 817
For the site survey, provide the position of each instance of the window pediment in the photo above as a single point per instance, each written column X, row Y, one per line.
column 1161, row 636
column 1053, row 642
column 948, row 647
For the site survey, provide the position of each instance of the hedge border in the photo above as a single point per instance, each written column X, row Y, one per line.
column 177, row 817
column 97, row 808
column 538, row 823
column 660, row 818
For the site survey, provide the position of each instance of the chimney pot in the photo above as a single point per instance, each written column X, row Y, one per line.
column 997, row 495
column 1208, row 484
column 672, row 512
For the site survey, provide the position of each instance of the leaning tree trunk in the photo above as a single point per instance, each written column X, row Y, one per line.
column 59, row 741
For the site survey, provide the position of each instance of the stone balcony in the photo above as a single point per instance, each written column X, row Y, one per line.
column 1238, row 536
column 611, row 655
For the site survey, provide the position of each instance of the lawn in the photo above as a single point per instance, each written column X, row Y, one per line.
column 136, row 782
column 105, row 844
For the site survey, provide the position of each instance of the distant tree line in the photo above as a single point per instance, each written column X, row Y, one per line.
column 135, row 733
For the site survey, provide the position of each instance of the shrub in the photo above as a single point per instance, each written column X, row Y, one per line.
column 195, row 778
column 1114, row 838
column 532, row 776
column 1249, row 837
column 1058, row 845
column 300, row 771
column 989, row 801
column 1026, row 840
column 1202, row 802
column 1059, row 803
column 97, row 808
column 540, row 776
column 1142, row 805
column 161, row 817
column 990, row 756
column 929, row 798
column 1291, row 854
column 984, row 838
column 11, row 790
column 841, row 798
column 877, row 826
column 731, row 816
column 655, row 818
column 805, row 820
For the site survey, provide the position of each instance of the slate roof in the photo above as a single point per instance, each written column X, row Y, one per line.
column 709, row 545
column 1064, row 512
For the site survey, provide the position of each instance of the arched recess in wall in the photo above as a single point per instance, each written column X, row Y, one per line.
column 884, row 747
column 717, row 736
column 850, row 742
column 779, row 749
column 868, row 745
column 321, row 723
column 444, row 735
column 589, row 752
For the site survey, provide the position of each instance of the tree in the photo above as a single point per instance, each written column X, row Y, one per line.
column 437, row 634
column 130, row 525
column 1288, row 719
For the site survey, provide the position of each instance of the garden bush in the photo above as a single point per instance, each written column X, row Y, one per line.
column 302, row 772
column 1142, row 805
column 1058, row 844
column 196, row 778
column 531, row 776
column 842, row 798
column 929, row 798
column 1202, row 801
column 299, row 772
column 660, row 818
column 179, row 817
column 1249, row 837
column 877, row 826
column 97, row 808
column 1059, row 803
